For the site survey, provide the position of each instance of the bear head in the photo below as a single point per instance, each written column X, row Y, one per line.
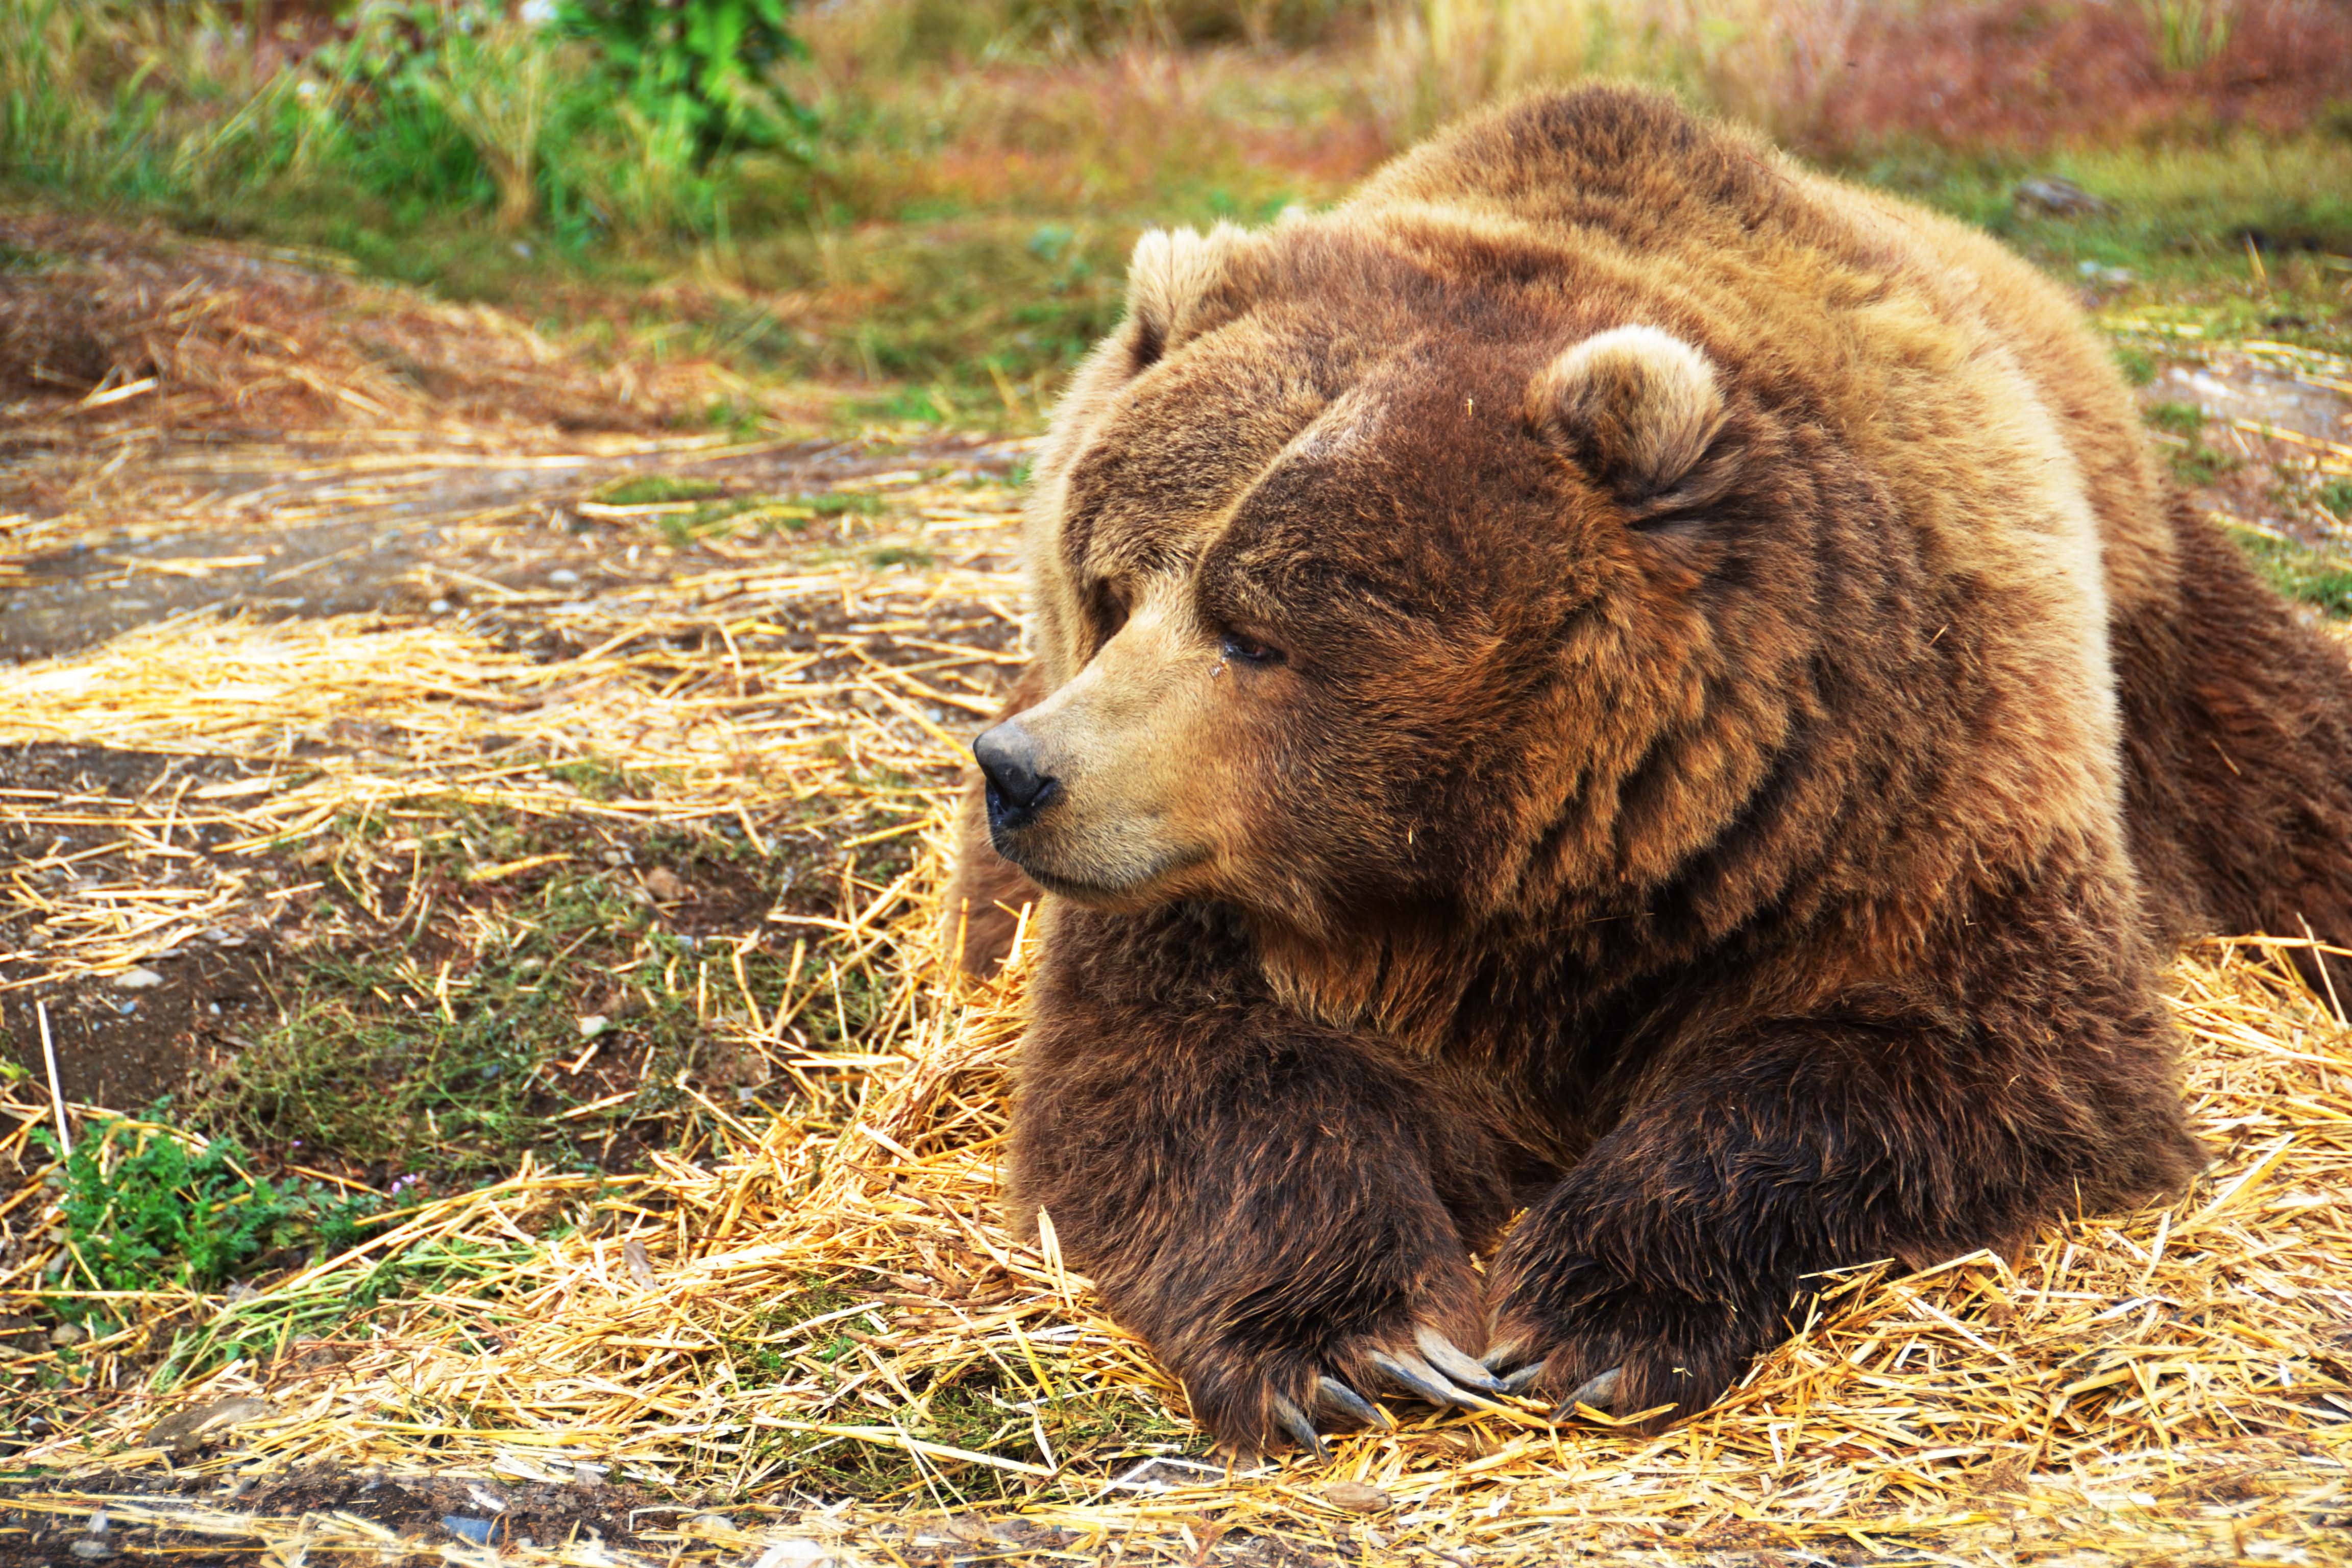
column 1376, row 576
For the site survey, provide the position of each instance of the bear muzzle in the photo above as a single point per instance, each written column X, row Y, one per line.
column 1018, row 792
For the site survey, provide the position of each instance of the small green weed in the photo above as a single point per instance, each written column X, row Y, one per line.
column 901, row 556
column 839, row 504
column 2335, row 495
column 657, row 490
column 600, row 780
column 2137, row 365
column 144, row 1211
column 2197, row 465
column 761, row 1353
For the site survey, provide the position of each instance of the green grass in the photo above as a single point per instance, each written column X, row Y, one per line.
column 2302, row 574
column 2192, row 461
column 446, row 1065
column 2179, row 224
column 656, row 489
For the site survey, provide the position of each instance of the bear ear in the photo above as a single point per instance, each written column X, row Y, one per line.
column 1167, row 276
column 1636, row 407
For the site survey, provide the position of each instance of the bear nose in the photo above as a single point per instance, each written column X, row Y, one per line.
column 1017, row 792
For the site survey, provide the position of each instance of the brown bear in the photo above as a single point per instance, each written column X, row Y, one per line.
column 1612, row 676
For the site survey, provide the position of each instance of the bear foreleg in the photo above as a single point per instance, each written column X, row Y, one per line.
column 1283, row 1211
column 1647, row 1279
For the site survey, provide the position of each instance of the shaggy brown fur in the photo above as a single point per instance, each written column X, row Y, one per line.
column 1612, row 676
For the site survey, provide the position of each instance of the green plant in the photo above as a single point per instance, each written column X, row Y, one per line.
column 141, row 1210
column 2190, row 33
column 2197, row 464
column 2335, row 495
column 446, row 103
column 694, row 71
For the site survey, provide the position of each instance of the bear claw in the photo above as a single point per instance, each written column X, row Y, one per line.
column 1449, row 1358
column 1596, row 1392
column 1499, row 1356
column 1524, row 1376
column 1294, row 1421
column 1351, row 1404
column 1429, row 1383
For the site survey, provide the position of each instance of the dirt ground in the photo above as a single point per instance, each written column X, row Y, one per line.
column 449, row 536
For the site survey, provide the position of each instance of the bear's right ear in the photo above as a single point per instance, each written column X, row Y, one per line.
column 1167, row 276
column 1636, row 408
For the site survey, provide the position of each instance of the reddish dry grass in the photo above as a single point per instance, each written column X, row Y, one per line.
column 2020, row 75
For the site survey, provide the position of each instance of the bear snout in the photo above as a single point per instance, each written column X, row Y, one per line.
column 1017, row 790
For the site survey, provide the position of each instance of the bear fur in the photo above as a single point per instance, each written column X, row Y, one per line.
column 1614, row 680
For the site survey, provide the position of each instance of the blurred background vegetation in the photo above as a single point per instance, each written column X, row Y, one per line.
column 935, row 196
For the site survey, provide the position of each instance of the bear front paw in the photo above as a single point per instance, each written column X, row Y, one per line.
column 1262, row 1401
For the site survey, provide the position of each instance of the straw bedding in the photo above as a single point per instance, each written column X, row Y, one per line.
column 819, row 1320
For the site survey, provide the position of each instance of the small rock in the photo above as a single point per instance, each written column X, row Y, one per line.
column 564, row 576
column 593, row 1025
column 439, row 606
column 633, row 1253
column 2058, row 197
column 91, row 1549
column 477, row 1530
column 667, row 885
column 587, row 1475
column 138, row 979
column 798, row 1552
column 185, row 1432
column 99, row 1522
column 712, row 1522
column 1357, row 1497
column 66, row 1334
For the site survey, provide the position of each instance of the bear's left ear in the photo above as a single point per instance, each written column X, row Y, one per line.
column 1634, row 407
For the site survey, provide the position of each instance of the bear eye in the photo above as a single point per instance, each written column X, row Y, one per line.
column 1249, row 651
